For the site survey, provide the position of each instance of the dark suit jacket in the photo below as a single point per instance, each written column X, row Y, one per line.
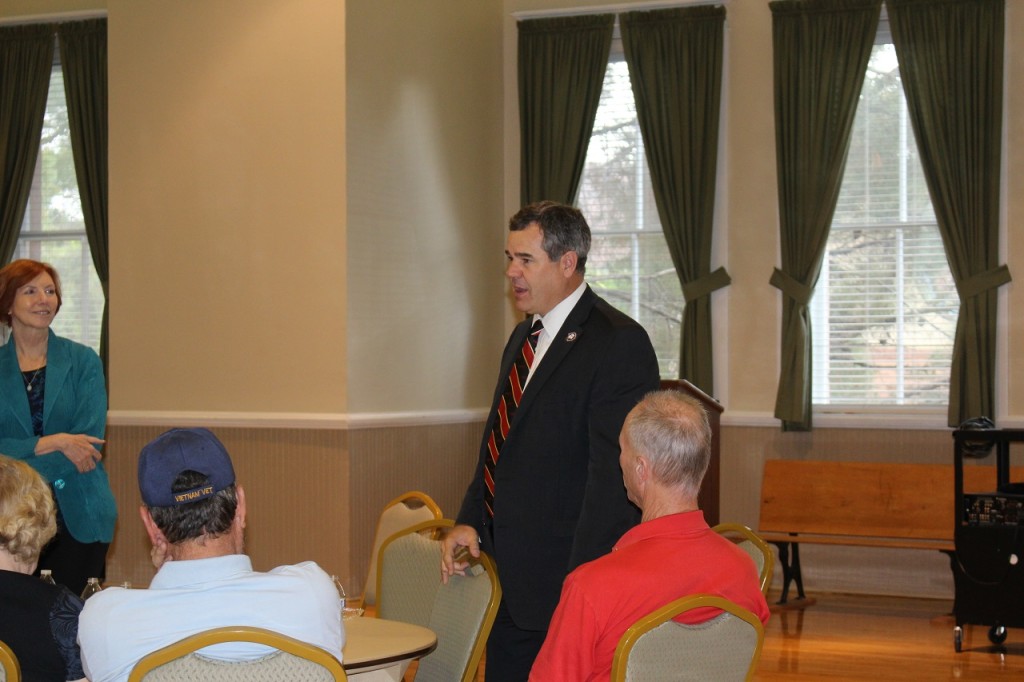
column 559, row 497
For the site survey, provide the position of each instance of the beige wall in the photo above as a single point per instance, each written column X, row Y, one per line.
column 227, row 206
column 425, row 220
column 306, row 224
column 752, row 372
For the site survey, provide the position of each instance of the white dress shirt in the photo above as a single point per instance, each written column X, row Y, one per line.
column 553, row 322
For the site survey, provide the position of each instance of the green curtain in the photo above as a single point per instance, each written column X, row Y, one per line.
column 951, row 63
column 562, row 62
column 26, row 60
column 675, row 66
column 821, row 50
column 83, row 56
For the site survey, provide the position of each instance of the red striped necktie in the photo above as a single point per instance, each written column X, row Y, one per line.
column 510, row 398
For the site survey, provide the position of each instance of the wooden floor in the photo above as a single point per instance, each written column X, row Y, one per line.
column 859, row 637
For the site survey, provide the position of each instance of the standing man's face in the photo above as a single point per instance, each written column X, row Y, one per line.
column 538, row 283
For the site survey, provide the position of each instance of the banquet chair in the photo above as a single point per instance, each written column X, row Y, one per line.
column 10, row 671
column 294, row 661
column 658, row 649
column 751, row 543
column 461, row 612
column 405, row 510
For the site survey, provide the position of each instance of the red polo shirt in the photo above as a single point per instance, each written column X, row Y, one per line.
column 653, row 564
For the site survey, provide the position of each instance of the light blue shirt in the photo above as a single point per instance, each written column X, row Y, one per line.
column 119, row 626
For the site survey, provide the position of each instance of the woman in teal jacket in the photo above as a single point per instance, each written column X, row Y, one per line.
column 53, row 413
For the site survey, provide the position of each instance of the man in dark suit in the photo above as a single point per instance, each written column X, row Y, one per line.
column 547, row 495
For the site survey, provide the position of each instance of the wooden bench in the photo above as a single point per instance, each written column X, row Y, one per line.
column 867, row 504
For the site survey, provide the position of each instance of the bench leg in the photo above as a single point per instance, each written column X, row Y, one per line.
column 790, row 570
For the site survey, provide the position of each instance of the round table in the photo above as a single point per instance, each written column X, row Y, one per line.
column 379, row 649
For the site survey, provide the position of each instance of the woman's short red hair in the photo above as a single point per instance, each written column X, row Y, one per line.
column 17, row 274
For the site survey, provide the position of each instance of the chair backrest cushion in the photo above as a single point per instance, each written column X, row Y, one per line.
column 724, row 647
column 751, row 543
column 460, row 618
column 718, row 649
column 403, row 512
column 271, row 668
column 755, row 553
column 460, row 612
column 410, row 576
column 294, row 661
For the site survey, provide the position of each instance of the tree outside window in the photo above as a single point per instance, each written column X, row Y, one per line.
column 53, row 230
column 629, row 263
column 885, row 307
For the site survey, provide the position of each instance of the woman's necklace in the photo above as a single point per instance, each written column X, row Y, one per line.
column 27, row 360
column 29, row 382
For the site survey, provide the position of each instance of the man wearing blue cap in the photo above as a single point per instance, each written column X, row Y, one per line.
column 194, row 514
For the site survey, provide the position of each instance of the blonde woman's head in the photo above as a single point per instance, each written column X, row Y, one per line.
column 28, row 518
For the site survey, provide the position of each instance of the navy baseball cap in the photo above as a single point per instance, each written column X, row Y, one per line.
column 177, row 451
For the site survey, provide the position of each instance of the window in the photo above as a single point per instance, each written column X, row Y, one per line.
column 885, row 308
column 54, row 228
column 629, row 263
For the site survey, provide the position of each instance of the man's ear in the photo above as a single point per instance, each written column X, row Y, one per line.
column 154, row 533
column 240, row 507
column 643, row 469
column 567, row 263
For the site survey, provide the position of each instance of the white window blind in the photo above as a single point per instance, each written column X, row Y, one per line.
column 53, row 230
column 885, row 308
column 629, row 264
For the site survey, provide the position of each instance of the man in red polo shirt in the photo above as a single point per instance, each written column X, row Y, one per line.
column 665, row 447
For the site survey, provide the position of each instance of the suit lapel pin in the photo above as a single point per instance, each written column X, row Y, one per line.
column 570, row 337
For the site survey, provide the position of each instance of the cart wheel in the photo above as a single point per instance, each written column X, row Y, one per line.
column 958, row 638
column 997, row 634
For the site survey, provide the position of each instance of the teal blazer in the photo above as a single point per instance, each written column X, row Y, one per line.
column 75, row 402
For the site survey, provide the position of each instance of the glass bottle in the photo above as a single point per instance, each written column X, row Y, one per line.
column 92, row 586
column 341, row 591
column 46, row 575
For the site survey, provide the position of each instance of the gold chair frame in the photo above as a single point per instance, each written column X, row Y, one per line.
column 237, row 633
column 666, row 613
column 419, row 500
column 737, row 532
column 9, row 664
column 483, row 564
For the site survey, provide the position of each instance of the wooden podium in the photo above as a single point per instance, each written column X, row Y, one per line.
column 708, row 498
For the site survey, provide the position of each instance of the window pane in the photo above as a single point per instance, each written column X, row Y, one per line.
column 885, row 308
column 54, row 230
column 629, row 263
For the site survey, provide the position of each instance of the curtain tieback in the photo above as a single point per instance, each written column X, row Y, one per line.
column 800, row 293
column 982, row 282
column 703, row 286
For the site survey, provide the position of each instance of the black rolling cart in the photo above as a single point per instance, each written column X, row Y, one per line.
column 988, row 561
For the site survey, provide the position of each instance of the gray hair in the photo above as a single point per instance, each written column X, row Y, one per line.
column 671, row 430
column 564, row 228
